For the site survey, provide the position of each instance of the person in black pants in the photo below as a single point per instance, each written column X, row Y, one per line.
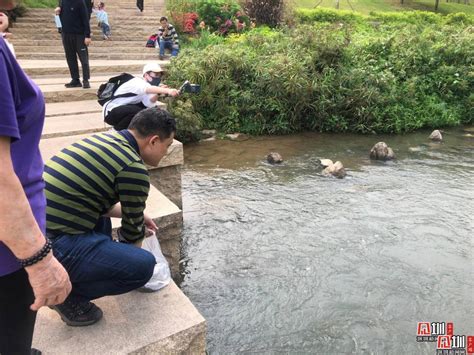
column 140, row 5
column 76, row 35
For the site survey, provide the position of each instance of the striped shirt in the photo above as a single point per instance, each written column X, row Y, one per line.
column 170, row 35
column 87, row 178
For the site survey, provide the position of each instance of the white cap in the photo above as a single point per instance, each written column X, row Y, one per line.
column 153, row 66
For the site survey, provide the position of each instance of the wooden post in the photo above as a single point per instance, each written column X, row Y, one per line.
column 436, row 5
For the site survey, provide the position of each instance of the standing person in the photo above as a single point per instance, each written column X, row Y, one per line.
column 76, row 35
column 30, row 276
column 103, row 20
column 140, row 5
column 168, row 38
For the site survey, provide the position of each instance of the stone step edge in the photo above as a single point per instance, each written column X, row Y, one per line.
column 157, row 206
column 51, row 146
column 153, row 323
column 61, row 125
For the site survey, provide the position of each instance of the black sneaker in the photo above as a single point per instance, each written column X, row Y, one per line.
column 73, row 84
column 85, row 84
column 35, row 351
column 78, row 314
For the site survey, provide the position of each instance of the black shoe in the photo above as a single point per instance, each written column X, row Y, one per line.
column 35, row 351
column 85, row 84
column 73, row 84
column 78, row 314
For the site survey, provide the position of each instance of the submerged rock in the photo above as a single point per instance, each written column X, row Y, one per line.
column 336, row 169
column 326, row 162
column 381, row 151
column 236, row 136
column 274, row 158
column 436, row 136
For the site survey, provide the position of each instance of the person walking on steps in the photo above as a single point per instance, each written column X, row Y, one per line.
column 140, row 5
column 76, row 36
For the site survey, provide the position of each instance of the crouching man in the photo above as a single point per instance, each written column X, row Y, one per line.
column 99, row 177
column 135, row 95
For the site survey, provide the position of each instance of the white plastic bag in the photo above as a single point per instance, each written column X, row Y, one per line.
column 161, row 274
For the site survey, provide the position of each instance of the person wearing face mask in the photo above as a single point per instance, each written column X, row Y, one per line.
column 139, row 93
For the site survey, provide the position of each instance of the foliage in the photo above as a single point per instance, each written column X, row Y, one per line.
column 220, row 16
column 326, row 15
column 188, row 122
column 17, row 11
column 39, row 3
column 363, row 77
column 265, row 12
column 367, row 6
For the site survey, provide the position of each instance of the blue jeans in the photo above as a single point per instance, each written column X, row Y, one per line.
column 105, row 29
column 98, row 266
column 168, row 45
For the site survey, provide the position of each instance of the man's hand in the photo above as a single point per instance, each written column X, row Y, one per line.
column 57, row 10
column 50, row 282
column 150, row 223
column 87, row 41
column 173, row 92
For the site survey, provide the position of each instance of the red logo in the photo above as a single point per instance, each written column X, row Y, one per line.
column 449, row 329
column 444, row 342
column 470, row 344
column 424, row 328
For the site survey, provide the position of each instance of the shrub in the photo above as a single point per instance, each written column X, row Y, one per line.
column 395, row 77
column 188, row 122
column 265, row 12
column 326, row 15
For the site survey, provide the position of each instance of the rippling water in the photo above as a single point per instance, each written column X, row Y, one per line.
column 282, row 259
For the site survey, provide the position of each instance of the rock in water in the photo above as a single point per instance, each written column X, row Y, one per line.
column 436, row 136
column 274, row 158
column 336, row 169
column 381, row 151
column 326, row 162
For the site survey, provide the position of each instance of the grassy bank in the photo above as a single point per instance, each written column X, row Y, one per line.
column 40, row 3
column 366, row 6
column 397, row 74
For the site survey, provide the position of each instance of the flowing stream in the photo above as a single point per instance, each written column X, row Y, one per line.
column 280, row 259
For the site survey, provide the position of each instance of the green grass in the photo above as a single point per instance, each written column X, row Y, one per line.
column 40, row 3
column 366, row 6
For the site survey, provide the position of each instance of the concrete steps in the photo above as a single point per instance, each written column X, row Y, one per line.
column 135, row 323
column 51, row 146
column 160, row 323
column 38, row 68
column 151, row 55
column 67, row 119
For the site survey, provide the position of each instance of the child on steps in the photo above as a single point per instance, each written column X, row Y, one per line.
column 103, row 20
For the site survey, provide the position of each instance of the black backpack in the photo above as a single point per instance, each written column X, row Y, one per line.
column 106, row 91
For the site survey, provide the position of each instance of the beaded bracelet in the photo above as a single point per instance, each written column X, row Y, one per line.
column 40, row 255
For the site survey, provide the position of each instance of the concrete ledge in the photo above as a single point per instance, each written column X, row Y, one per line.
column 50, row 146
column 97, row 67
column 140, row 323
column 169, row 219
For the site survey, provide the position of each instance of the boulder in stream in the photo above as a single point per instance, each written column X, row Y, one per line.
column 336, row 169
column 436, row 136
column 381, row 151
column 274, row 158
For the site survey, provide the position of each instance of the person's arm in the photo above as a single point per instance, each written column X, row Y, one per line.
column 116, row 212
column 133, row 186
column 22, row 235
column 84, row 13
column 161, row 90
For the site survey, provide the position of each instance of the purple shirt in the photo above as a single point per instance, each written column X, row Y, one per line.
column 21, row 119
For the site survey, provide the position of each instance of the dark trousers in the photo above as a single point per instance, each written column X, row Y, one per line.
column 74, row 47
column 120, row 117
column 98, row 266
column 140, row 4
column 17, row 321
